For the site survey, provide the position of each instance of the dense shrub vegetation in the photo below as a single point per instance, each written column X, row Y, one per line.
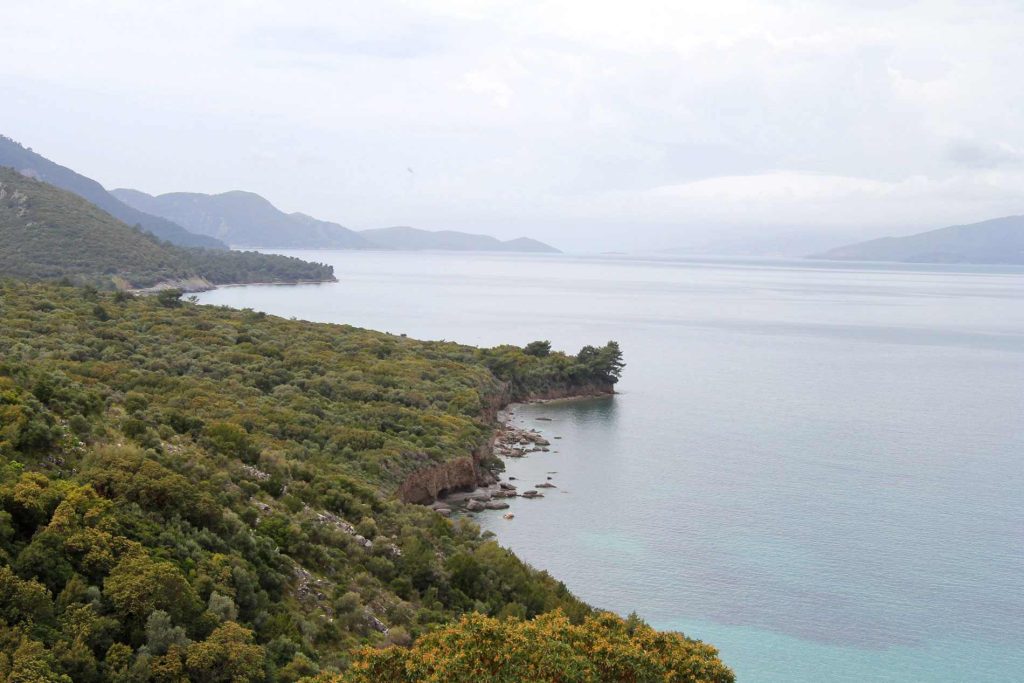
column 47, row 234
column 550, row 648
column 197, row 493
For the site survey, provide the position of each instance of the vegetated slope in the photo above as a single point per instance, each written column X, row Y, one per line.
column 245, row 219
column 203, row 493
column 28, row 162
column 406, row 238
column 996, row 241
column 49, row 233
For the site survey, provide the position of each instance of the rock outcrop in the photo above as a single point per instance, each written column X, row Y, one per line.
column 466, row 473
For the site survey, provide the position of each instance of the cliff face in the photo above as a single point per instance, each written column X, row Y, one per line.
column 466, row 473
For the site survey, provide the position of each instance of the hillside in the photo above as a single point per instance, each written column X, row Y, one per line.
column 197, row 493
column 26, row 161
column 48, row 233
column 413, row 239
column 244, row 219
column 996, row 241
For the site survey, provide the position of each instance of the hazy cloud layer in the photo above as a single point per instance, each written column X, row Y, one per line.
column 594, row 126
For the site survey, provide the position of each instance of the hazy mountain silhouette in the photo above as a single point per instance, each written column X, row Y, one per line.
column 247, row 219
column 999, row 240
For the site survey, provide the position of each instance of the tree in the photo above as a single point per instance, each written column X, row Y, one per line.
column 161, row 633
column 169, row 298
column 227, row 655
column 32, row 662
column 139, row 584
column 548, row 648
column 538, row 348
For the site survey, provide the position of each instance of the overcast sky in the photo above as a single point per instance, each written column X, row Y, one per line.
column 592, row 125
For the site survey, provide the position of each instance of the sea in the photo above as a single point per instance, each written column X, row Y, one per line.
column 816, row 467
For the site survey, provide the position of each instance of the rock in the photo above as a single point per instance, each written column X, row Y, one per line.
column 546, row 485
column 444, row 512
column 531, row 494
column 506, row 486
column 542, row 442
column 512, row 478
column 543, row 419
column 482, row 497
column 557, row 437
column 475, row 506
column 496, row 505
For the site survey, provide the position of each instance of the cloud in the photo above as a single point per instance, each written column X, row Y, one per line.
column 973, row 154
column 591, row 122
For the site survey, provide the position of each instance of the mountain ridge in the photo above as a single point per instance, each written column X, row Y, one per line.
column 244, row 218
column 30, row 163
column 997, row 241
column 248, row 219
column 49, row 233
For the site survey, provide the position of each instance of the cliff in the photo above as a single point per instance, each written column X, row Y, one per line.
column 468, row 472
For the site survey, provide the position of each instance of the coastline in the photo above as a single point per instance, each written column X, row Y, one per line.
column 199, row 284
column 470, row 472
column 490, row 491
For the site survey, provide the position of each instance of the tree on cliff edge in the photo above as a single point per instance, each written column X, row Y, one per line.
column 603, row 363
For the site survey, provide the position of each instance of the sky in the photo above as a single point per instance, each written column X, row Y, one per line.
column 725, row 125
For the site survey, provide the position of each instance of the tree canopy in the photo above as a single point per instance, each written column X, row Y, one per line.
column 197, row 493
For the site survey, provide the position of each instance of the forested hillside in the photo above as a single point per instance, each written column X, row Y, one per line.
column 49, row 233
column 28, row 162
column 197, row 493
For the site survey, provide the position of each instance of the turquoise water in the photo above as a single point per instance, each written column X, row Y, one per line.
column 817, row 468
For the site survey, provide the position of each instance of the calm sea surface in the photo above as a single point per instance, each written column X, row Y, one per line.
column 817, row 468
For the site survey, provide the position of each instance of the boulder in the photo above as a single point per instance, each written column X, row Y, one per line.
column 496, row 505
column 475, row 506
column 546, row 485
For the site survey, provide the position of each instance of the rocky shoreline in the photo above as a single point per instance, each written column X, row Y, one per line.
column 509, row 441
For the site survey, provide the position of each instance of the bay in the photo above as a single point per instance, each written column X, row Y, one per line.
column 816, row 467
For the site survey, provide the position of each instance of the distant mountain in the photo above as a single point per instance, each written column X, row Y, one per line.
column 247, row 219
column 244, row 218
column 996, row 241
column 48, row 233
column 26, row 161
column 412, row 239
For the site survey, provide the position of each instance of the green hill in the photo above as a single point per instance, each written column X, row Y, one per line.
column 37, row 166
column 197, row 493
column 996, row 241
column 49, row 233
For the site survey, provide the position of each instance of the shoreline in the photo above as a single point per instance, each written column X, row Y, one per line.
column 469, row 472
column 198, row 285
column 507, row 441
